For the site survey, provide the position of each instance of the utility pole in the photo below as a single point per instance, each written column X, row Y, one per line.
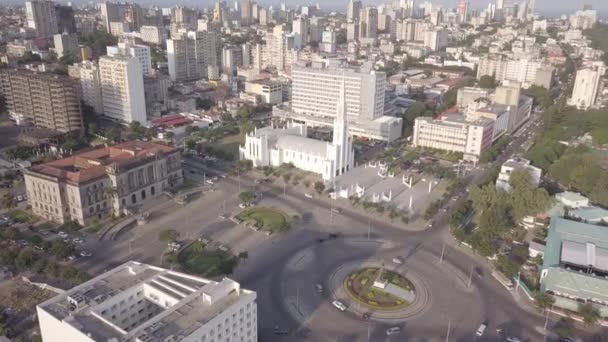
column 442, row 252
column 369, row 228
column 298, row 298
column 238, row 176
column 470, row 277
column 447, row 336
column 369, row 333
column 518, row 280
column 284, row 188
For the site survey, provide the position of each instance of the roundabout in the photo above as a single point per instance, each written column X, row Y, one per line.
column 360, row 274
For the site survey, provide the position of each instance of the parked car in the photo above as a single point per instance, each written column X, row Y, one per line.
column 481, row 329
column 339, row 305
column 336, row 210
column 78, row 241
column 319, row 288
column 393, row 331
column 398, row 260
column 242, row 205
column 63, row 234
column 85, row 254
column 308, row 195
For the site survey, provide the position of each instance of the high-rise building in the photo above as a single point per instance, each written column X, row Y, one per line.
column 218, row 16
column 352, row 31
column 586, row 85
column 185, row 16
column 153, row 35
column 42, row 17
column 128, row 13
column 368, row 23
column 66, row 44
column 520, row 106
column 75, row 188
column 141, row 52
column 246, row 13
column 328, row 43
column 463, row 11
column 300, row 31
column 150, row 303
column 279, row 45
column 122, row 88
column 352, row 10
column 189, row 55
column 87, row 73
column 44, row 100
column 232, row 58
column 65, row 19
column 436, row 38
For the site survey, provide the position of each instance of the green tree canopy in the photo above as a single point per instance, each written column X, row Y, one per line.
column 247, row 196
column 487, row 82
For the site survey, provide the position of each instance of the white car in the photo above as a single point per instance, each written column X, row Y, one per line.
column 398, row 260
column 336, row 210
column 78, row 240
column 319, row 288
column 85, row 254
column 210, row 182
column 481, row 329
column 62, row 234
column 339, row 305
column 308, row 195
column 242, row 205
column 513, row 339
column 393, row 331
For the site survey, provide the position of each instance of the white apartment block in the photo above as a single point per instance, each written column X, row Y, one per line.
column 279, row 46
column 122, row 88
column 189, row 55
column 507, row 168
column 153, row 35
column 66, row 43
column 436, row 39
column 328, row 41
column 583, row 20
column 143, row 303
column 520, row 70
column 87, row 73
column 586, row 85
column 41, row 16
column 455, row 134
column 269, row 91
column 141, row 52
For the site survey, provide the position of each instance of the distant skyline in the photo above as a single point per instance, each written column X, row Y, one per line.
column 544, row 7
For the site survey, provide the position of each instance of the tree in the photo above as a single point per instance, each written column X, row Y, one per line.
column 25, row 259
column 169, row 235
column 247, row 196
column 246, row 127
column 113, row 135
column 589, row 313
column 62, row 249
column 287, row 177
column 488, row 82
column 191, row 144
column 205, row 104
column 543, row 300
column 18, row 152
column 319, row 186
column 8, row 201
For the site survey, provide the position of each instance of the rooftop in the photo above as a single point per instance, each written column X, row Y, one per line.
column 90, row 165
column 172, row 303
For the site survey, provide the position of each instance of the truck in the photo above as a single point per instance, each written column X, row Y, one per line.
column 503, row 280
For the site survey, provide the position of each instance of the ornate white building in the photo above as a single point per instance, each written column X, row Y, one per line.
column 271, row 146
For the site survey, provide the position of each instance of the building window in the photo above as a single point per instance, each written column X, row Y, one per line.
column 152, row 191
column 133, row 199
column 143, row 195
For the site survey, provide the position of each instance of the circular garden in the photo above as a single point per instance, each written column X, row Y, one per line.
column 380, row 289
column 266, row 219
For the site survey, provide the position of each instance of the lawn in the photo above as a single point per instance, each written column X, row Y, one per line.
column 203, row 261
column 267, row 219
column 359, row 286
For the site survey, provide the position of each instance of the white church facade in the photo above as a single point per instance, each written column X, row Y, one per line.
column 271, row 146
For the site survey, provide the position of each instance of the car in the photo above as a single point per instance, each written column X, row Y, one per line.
column 85, row 254
column 308, row 195
column 366, row 316
column 43, row 232
column 242, row 205
column 224, row 216
column 319, row 288
column 78, row 240
column 223, row 175
column 63, row 234
column 210, row 181
column 513, row 339
column 72, row 257
column 336, row 210
column 430, row 225
column 481, row 329
column 393, row 331
column 339, row 305
column 38, row 248
column 398, row 260
column 23, row 243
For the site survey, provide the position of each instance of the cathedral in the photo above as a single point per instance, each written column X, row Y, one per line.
column 271, row 146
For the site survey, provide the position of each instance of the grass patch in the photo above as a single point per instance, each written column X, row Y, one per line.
column 203, row 261
column 267, row 219
column 21, row 216
column 359, row 286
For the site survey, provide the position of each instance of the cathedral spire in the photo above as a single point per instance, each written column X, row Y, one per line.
column 341, row 114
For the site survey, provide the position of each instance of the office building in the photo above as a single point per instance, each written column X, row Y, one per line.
column 141, row 52
column 453, row 133
column 586, row 85
column 45, row 100
column 279, row 48
column 65, row 19
column 185, row 17
column 575, row 265
column 232, row 59
column 368, row 23
column 122, row 89
column 520, row 106
column 352, row 31
column 145, row 303
column 87, row 73
column 515, row 164
column 328, row 42
column 498, row 113
column 436, row 39
column 42, row 17
column 189, row 55
column 275, row 146
column 315, row 88
column 246, row 13
column 128, row 13
column 353, row 9
column 153, row 35
column 300, row 32
column 66, row 44
column 270, row 92
column 462, row 10
column 76, row 188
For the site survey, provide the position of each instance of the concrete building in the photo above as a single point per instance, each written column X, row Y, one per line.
column 87, row 73
column 353, row 8
column 139, row 302
column 153, row 35
column 42, row 17
column 368, row 24
column 454, row 133
column 186, row 17
column 44, row 100
column 314, row 90
column 352, row 31
column 279, row 47
column 575, row 265
column 499, row 114
column 520, row 106
column 65, row 19
column 141, row 52
column 436, row 39
column 128, row 13
column 269, row 91
column 587, row 85
column 514, row 164
column 467, row 95
column 584, row 19
column 122, row 89
column 66, row 44
column 99, row 183
column 300, row 31
column 189, row 55
column 274, row 147
column 246, row 13
column 328, row 42
column 232, row 59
